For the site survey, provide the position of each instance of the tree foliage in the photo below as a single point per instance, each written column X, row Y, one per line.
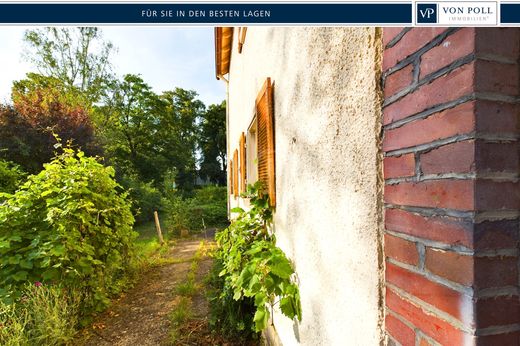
column 79, row 57
column 70, row 225
column 43, row 106
column 11, row 176
column 150, row 135
column 213, row 144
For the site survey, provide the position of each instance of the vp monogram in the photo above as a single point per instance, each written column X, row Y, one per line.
column 427, row 13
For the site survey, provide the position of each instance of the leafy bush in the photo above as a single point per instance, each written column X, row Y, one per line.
column 145, row 198
column 69, row 225
column 208, row 207
column 46, row 315
column 43, row 106
column 253, row 267
column 11, row 175
column 229, row 317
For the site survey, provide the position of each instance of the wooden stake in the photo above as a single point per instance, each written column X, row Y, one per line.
column 158, row 227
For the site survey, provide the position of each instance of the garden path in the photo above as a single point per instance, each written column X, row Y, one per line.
column 141, row 316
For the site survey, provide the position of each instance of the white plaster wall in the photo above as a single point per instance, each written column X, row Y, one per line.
column 328, row 219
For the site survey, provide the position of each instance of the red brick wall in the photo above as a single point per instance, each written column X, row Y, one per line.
column 452, row 193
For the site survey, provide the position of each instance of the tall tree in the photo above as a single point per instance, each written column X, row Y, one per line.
column 79, row 57
column 148, row 134
column 126, row 122
column 177, row 134
column 213, row 144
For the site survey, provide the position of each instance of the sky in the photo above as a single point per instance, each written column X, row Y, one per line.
column 165, row 57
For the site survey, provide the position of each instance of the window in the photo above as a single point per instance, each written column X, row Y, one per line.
column 236, row 193
column 265, row 140
column 231, row 183
column 243, row 162
column 252, row 160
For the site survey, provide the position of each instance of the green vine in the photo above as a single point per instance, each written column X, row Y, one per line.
column 253, row 266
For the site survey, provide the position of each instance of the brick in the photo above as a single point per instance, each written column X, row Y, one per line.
column 502, row 42
column 508, row 339
column 411, row 42
column 497, row 157
column 389, row 34
column 442, row 229
column 424, row 342
column 399, row 331
column 434, row 327
column 451, row 158
column 499, row 234
column 496, row 272
column 498, row 311
column 449, row 87
column 455, row 46
column 401, row 250
column 442, row 297
column 493, row 195
column 398, row 80
column 496, row 77
column 399, row 166
column 451, row 194
column 497, row 117
column 448, row 123
column 450, row 265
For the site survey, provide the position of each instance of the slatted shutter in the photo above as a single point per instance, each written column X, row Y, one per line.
column 231, row 184
column 243, row 163
column 235, row 173
column 265, row 140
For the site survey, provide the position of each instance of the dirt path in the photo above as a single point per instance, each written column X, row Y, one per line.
column 142, row 316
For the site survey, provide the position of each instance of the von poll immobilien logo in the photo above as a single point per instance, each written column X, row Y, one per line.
column 460, row 13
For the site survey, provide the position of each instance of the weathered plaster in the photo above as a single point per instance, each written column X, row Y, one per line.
column 328, row 215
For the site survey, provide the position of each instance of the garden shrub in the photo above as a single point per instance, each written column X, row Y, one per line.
column 69, row 225
column 229, row 317
column 11, row 176
column 208, row 207
column 144, row 196
column 253, row 267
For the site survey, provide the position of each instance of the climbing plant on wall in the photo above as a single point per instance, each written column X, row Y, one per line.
column 253, row 266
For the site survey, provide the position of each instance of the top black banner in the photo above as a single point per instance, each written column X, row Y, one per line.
column 207, row 14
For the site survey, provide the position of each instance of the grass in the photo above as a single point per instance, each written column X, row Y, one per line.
column 182, row 312
column 46, row 315
column 149, row 250
column 186, row 289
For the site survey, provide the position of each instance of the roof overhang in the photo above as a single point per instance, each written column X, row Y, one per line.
column 223, row 46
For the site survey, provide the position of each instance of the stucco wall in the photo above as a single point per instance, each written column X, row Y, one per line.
column 328, row 214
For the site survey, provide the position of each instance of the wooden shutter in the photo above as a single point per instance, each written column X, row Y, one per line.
column 241, row 37
column 265, row 140
column 243, row 163
column 230, row 167
column 235, row 173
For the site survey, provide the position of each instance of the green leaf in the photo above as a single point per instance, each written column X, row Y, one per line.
column 20, row 276
column 287, row 307
column 237, row 210
column 26, row 264
column 282, row 268
column 50, row 274
column 261, row 318
column 14, row 259
column 260, row 299
column 58, row 250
